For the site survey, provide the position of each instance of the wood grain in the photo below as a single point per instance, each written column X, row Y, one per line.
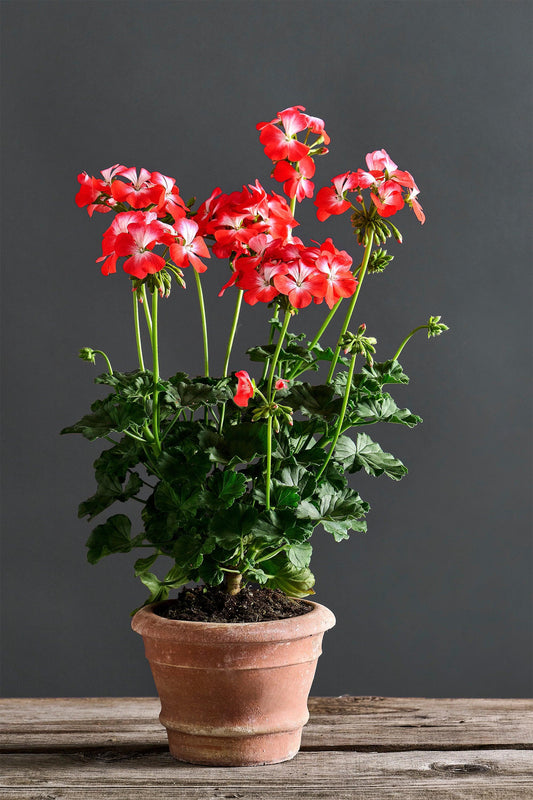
column 353, row 748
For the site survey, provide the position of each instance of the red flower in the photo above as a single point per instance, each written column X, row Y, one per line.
column 334, row 265
column 415, row 205
column 280, row 144
column 281, row 383
column 137, row 244
column 245, row 389
column 301, row 283
column 388, row 199
column 170, row 201
column 138, row 191
column 118, row 226
column 189, row 246
column 316, row 125
column 295, row 181
column 258, row 284
column 93, row 188
column 332, row 201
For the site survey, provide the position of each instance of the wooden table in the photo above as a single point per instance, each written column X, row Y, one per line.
column 369, row 748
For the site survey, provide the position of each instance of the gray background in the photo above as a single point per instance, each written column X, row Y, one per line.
column 435, row 600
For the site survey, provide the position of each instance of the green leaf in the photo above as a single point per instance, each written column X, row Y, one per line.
column 292, row 354
column 275, row 527
column 368, row 454
column 344, row 508
column 229, row 527
column 382, row 409
column 191, row 392
column 300, row 554
column 224, row 488
column 293, row 581
column 157, row 588
column 281, row 496
column 112, row 536
column 315, row 401
column 142, row 564
column 176, row 576
column 183, row 500
column 386, row 372
column 240, row 443
column 108, row 416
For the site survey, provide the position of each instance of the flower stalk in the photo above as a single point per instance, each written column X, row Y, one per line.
column 353, row 301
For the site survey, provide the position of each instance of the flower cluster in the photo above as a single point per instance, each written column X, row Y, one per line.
column 293, row 159
column 390, row 189
column 252, row 228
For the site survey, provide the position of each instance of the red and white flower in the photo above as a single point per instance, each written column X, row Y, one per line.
column 188, row 247
column 245, row 389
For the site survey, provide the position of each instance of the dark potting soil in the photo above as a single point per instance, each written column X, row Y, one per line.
column 212, row 604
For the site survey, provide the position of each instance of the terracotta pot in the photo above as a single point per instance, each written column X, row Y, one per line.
column 233, row 694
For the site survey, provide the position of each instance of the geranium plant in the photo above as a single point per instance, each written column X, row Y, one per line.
column 233, row 472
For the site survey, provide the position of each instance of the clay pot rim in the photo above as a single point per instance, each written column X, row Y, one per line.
column 147, row 623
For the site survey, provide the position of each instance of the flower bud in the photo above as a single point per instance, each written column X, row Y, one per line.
column 87, row 354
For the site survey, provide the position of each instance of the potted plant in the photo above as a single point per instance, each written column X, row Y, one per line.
column 233, row 473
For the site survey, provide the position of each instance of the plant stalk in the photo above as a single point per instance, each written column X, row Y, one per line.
column 270, row 399
column 362, row 272
column 399, row 350
column 138, row 330
column 155, row 356
column 204, row 323
column 233, row 582
column 342, row 415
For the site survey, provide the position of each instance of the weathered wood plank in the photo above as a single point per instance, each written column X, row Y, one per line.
column 481, row 775
column 364, row 723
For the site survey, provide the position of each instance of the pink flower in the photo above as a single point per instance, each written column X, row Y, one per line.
column 379, row 160
column 188, row 247
column 281, row 383
column 245, row 389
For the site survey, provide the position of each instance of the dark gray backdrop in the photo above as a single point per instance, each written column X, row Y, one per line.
column 435, row 600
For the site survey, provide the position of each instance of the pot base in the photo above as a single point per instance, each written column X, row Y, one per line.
column 234, row 751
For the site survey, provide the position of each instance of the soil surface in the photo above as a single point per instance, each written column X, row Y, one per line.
column 212, row 604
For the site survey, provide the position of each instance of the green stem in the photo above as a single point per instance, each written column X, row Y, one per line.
column 362, row 272
column 271, row 555
column 228, row 351
column 342, row 414
column 277, row 351
column 317, row 338
column 147, row 311
column 138, row 331
column 399, row 350
column 204, row 323
column 325, row 323
column 232, row 332
column 155, row 355
column 270, row 340
column 270, row 399
column 269, row 463
column 107, row 361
